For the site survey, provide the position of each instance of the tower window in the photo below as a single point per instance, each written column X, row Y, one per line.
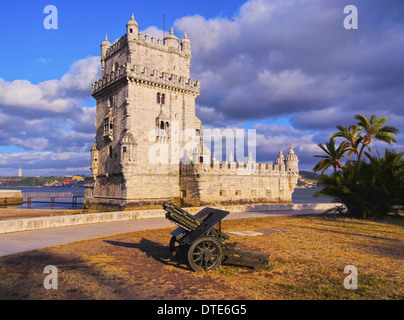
column 110, row 151
column 106, row 125
column 161, row 97
column 110, row 101
column 131, row 30
column 124, row 149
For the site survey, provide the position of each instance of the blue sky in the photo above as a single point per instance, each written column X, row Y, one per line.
column 47, row 54
column 288, row 69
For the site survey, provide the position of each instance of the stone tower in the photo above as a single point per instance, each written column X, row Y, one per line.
column 148, row 146
column 145, row 101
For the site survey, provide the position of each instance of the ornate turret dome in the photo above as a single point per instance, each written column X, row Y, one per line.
column 291, row 154
column 201, row 153
column 105, row 42
column 201, row 150
column 171, row 40
column 185, row 40
column 280, row 158
column 132, row 22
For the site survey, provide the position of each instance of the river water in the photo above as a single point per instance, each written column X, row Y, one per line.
column 299, row 196
column 62, row 203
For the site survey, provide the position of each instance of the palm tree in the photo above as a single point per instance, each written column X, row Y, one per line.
column 332, row 156
column 374, row 129
column 352, row 135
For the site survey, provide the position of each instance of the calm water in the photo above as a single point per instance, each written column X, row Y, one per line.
column 63, row 203
column 306, row 196
column 299, row 196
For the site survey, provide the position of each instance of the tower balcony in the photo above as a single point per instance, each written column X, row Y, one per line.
column 108, row 135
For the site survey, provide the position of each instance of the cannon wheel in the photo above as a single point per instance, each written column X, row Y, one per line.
column 178, row 250
column 205, row 253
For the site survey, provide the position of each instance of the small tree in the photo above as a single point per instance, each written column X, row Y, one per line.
column 370, row 188
column 332, row 157
column 374, row 129
column 353, row 137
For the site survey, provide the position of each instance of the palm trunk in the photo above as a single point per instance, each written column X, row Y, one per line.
column 366, row 141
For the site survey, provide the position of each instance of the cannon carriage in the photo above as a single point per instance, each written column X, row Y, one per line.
column 199, row 240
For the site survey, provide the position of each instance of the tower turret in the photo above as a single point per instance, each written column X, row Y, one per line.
column 171, row 40
column 280, row 158
column 201, row 153
column 291, row 161
column 186, row 45
column 132, row 29
column 104, row 47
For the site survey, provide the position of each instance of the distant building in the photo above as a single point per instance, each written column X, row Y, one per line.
column 20, row 172
column 145, row 99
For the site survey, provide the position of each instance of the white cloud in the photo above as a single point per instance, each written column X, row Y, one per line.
column 153, row 32
column 30, row 144
column 49, row 118
column 54, row 96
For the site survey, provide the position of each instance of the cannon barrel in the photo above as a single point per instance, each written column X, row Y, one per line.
column 180, row 217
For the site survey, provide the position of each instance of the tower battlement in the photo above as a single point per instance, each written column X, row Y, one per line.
column 148, row 76
column 168, row 55
column 150, row 42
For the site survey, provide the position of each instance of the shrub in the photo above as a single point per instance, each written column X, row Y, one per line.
column 372, row 189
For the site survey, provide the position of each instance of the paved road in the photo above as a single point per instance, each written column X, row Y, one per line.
column 18, row 242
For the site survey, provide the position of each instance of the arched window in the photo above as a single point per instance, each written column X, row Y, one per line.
column 158, row 97
column 162, row 125
column 163, row 98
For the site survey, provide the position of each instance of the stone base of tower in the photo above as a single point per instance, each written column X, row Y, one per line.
column 97, row 197
column 112, row 204
column 199, row 203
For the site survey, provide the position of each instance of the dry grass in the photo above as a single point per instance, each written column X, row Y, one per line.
column 307, row 262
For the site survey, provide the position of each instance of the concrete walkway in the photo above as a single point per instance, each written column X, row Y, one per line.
column 18, row 242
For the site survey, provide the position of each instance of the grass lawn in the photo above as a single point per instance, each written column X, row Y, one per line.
column 307, row 262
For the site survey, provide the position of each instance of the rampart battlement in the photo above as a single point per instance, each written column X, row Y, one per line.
column 235, row 168
column 151, row 43
column 118, row 44
column 150, row 77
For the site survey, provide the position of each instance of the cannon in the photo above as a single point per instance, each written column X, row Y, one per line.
column 199, row 240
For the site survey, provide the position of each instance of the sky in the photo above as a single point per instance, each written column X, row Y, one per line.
column 288, row 69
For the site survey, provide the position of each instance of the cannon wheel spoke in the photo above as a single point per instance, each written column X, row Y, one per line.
column 205, row 254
